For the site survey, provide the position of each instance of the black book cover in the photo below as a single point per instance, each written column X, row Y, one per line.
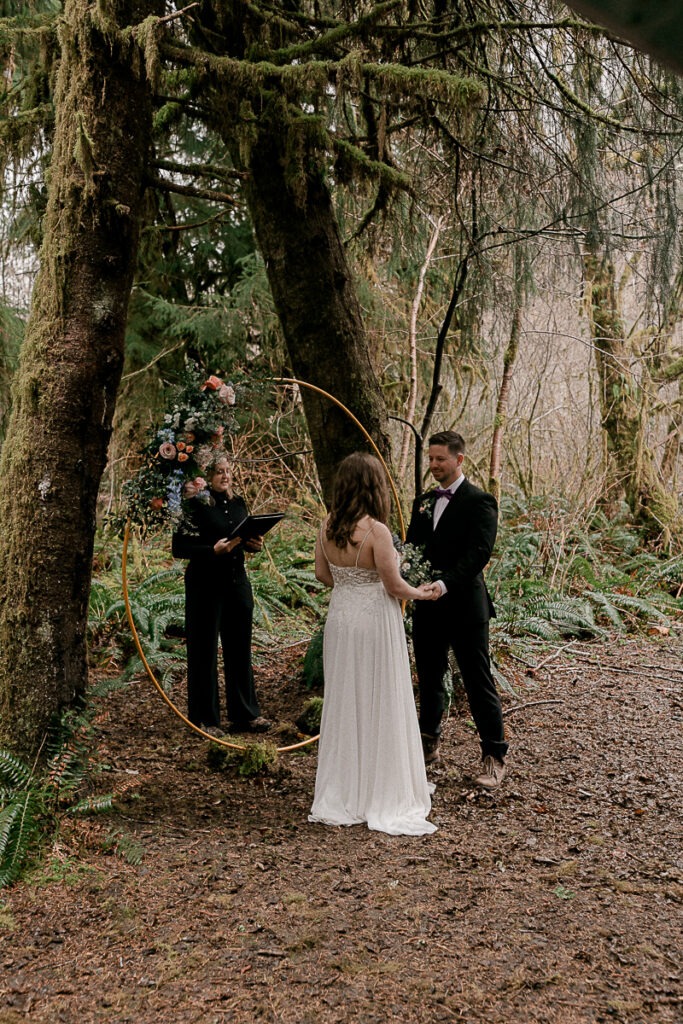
column 256, row 526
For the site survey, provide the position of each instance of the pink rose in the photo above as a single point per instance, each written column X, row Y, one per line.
column 191, row 488
column 167, row 450
column 226, row 394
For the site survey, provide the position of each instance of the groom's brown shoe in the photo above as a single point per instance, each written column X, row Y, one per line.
column 430, row 749
column 493, row 773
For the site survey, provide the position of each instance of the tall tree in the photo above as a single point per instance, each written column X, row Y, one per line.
column 65, row 387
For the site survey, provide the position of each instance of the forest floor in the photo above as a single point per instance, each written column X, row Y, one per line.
column 555, row 900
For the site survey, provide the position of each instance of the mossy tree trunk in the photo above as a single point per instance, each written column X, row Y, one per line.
column 313, row 286
column 632, row 471
column 65, row 388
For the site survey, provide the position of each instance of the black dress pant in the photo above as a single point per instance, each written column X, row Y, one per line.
column 213, row 611
column 435, row 631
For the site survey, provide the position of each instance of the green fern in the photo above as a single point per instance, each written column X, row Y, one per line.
column 20, row 827
column 32, row 802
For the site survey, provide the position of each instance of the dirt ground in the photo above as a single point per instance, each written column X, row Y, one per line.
column 557, row 900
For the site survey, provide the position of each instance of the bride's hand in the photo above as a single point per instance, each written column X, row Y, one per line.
column 428, row 592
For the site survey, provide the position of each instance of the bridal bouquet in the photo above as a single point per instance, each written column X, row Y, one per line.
column 413, row 566
column 200, row 416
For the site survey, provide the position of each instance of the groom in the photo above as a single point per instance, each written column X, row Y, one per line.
column 456, row 526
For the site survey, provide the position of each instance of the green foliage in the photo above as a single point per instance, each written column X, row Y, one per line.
column 124, row 846
column 33, row 800
column 283, row 580
column 20, row 816
column 556, row 576
column 255, row 758
column 157, row 606
column 311, row 713
column 11, row 335
column 414, row 567
column 314, row 678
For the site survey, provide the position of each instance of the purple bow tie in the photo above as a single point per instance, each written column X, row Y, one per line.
column 441, row 492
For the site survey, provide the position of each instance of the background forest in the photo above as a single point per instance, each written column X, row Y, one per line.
column 461, row 214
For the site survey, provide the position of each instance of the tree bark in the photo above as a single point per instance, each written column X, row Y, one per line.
column 65, row 388
column 632, row 471
column 313, row 290
column 509, row 360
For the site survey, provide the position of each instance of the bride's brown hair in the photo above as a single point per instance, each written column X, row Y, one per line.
column 360, row 489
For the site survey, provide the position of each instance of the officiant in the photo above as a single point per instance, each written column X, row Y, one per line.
column 218, row 603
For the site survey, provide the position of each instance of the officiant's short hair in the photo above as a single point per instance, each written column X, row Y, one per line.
column 454, row 441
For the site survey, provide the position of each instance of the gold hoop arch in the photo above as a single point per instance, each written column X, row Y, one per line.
column 126, row 599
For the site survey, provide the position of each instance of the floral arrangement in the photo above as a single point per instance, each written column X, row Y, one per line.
column 413, row 566
column 200, row 417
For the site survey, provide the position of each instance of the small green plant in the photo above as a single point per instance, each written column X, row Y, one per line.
column 309, row 719
column 255, row 758
column 21, row 816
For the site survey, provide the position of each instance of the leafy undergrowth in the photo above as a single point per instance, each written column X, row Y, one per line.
column 556, row 900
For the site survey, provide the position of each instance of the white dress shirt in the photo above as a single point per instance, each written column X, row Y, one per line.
column 441, row 503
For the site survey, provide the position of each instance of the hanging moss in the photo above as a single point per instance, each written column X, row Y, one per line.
column 145, row 38
column 352, row 162
column 83, row 151
column 306, row 142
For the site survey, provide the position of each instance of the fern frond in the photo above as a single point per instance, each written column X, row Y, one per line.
column 92, row 805
column 13, row 772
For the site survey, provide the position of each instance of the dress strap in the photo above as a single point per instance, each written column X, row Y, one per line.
column 360, row 546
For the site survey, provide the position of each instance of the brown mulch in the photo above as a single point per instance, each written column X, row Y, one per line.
column 556, row 900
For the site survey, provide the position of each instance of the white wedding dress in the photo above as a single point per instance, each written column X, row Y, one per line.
column 370, row 762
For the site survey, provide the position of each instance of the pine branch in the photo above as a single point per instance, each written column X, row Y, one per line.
column 199, row 170
column 342, row 31
column 315, row 76
column 193, row 193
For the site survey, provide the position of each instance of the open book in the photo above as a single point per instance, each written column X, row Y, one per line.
column 256, row 526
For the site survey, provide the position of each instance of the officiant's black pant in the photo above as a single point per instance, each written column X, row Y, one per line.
column 219, row 608
column 435, row 632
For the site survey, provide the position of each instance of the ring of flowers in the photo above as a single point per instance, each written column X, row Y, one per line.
column 126, row 599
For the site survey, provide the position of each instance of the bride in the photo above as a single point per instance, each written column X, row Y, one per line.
column 370, row 762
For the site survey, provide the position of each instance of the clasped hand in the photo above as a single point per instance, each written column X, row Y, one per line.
column 429, row 592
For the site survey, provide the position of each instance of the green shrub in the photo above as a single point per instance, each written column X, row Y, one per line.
column 314, row 678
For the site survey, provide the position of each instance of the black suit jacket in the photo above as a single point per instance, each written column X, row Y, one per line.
column 208, row 523
column 459, row 547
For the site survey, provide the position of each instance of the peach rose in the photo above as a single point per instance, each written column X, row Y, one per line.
column 182, row 457
column 180, row 446
column 189, row 437
column 189, row 448
column 212, row 383
column 156, row 503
